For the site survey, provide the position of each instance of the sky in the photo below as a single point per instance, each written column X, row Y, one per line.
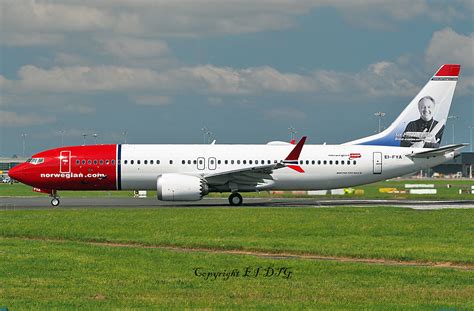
column 158, row 71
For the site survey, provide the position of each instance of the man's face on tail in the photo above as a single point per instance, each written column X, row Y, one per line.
column 426, row 107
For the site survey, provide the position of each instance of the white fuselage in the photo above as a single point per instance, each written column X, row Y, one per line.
column 325, row 166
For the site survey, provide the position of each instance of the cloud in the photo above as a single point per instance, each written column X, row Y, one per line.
column 154, row 19
column 378, row 79
column 448, row 46
column 12, row 119
column 128, row 47
column 152, row 100
column 31, row 39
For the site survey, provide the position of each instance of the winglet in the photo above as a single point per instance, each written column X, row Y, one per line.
column 291, row 160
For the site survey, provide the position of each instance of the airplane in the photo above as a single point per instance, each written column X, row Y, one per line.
column 189, row 172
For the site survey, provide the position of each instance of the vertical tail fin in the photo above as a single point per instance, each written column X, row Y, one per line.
column 422, row 123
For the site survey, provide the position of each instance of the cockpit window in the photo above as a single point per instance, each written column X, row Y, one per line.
column 36, row 161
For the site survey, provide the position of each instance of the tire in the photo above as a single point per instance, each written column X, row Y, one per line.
column 235, row 199
column 55, row 202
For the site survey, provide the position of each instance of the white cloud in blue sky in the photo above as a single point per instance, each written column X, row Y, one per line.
column 247, row 69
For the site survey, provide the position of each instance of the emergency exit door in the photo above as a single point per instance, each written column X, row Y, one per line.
column 65, row 162
column 377, row 162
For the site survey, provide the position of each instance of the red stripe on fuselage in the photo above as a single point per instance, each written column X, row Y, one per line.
column 88, row 168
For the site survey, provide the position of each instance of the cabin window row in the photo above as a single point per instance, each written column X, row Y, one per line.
column 256, row 162
column 330, row 162
column 95, row 162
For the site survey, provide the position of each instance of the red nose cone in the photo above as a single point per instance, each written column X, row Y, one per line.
column 16, row 173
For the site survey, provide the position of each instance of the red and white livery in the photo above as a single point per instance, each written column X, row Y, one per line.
column 189, row 172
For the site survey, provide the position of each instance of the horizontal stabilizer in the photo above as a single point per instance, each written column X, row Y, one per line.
column 437, row 152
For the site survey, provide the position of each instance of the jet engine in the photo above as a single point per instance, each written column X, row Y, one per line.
column 179, row 187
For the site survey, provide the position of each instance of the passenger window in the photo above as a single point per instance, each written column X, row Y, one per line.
column 171, row 161
column 337, row 162
column 355, row 162
column 313, row 162
column 151, row 161
column 138, row 161
column 238, row 161
column 307, row 162
column 269, row 162
column 330, row 162
column 301, row 161
column 319, row 162
column 95, row 162
column 145, row 161
column 342, row 162
column 78, row 162
column 250, row 161
column 124, row 162
column 200, row 162
column 325, row 162
column 101, row 162
column 89, row 162
column 226, row 162
column 189, row 161
column 183, row 162
column 194, row 162
column 218, row 161
column 83, row 162
column 244, row 161
column 131, row 162
column 231, row 161
column 113, row 162
column 157, row 161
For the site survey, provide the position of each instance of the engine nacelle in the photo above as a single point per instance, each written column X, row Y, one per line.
column 179, row 187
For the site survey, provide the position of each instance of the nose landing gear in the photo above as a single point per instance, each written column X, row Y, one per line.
column 55, row 198
column 235, row 199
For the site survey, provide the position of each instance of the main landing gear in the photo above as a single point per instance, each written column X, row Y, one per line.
column 55, row 198
column 235, row 199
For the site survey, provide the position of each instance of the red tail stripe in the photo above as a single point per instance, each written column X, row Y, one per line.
column 450, row 70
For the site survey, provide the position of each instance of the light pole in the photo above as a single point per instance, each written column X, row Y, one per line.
column 62, row 132
column 84, row 135
column 23, row 137
column 470, row 136
column 206, row 132
column 95, row 135
column 453, row 118
column 380, row 115
column 292, row 133
column 124, row 134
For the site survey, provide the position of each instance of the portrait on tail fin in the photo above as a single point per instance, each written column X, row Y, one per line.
column 425, row 132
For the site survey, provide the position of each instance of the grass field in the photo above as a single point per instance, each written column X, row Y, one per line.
column 371, row 191
column 48, row 261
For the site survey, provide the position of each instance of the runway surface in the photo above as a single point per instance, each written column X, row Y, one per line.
column 13, row 203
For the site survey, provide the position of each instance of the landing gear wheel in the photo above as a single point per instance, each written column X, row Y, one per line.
column 235, row 199
column 55, row 202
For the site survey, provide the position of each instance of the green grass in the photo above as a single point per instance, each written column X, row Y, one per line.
column 40, row 275
column 377, row 232
column 66, row 272
column 371, row 191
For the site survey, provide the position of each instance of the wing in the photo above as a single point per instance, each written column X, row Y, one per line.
column 252, row 176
